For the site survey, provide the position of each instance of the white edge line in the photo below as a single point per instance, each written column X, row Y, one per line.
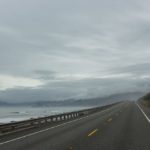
column 143, row 113
column 34, row 133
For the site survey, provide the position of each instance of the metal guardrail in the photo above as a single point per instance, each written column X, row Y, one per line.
column 38, row 122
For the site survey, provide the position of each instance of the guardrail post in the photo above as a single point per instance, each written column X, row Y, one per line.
column 39, row 122
column 46, row 120
column 68, row 116
column 12, row 127
column 61, row 118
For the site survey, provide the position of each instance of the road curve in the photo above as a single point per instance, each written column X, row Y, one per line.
column 121, row 127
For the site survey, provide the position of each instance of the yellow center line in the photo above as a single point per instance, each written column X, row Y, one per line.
column 109, row 120
column 93, row 132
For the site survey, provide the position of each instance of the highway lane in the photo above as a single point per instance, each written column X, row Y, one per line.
column 130, row 131
column 121, row 127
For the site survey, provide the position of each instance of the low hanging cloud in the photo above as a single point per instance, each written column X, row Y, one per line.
column 58, row 50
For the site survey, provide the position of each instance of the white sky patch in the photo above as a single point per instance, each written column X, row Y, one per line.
column 145, row 76
column 7, row 82
column 75, row 77
column 122, row 75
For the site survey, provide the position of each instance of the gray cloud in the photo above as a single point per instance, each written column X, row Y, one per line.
column 75, row 49
column 136, row 69
column 45, row 74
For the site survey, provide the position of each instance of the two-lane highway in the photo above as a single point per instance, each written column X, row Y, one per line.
column 121, row 127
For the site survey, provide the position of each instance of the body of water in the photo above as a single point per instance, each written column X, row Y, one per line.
column 9, row 114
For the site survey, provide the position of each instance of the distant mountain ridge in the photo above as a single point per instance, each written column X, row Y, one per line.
column 2, row 103
column 99, row 101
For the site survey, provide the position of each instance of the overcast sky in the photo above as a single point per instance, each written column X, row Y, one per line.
column 62, row 49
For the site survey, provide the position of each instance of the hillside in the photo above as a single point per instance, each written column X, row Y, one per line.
column 145, row 100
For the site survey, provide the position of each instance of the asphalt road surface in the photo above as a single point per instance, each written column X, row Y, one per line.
column 122, row 127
